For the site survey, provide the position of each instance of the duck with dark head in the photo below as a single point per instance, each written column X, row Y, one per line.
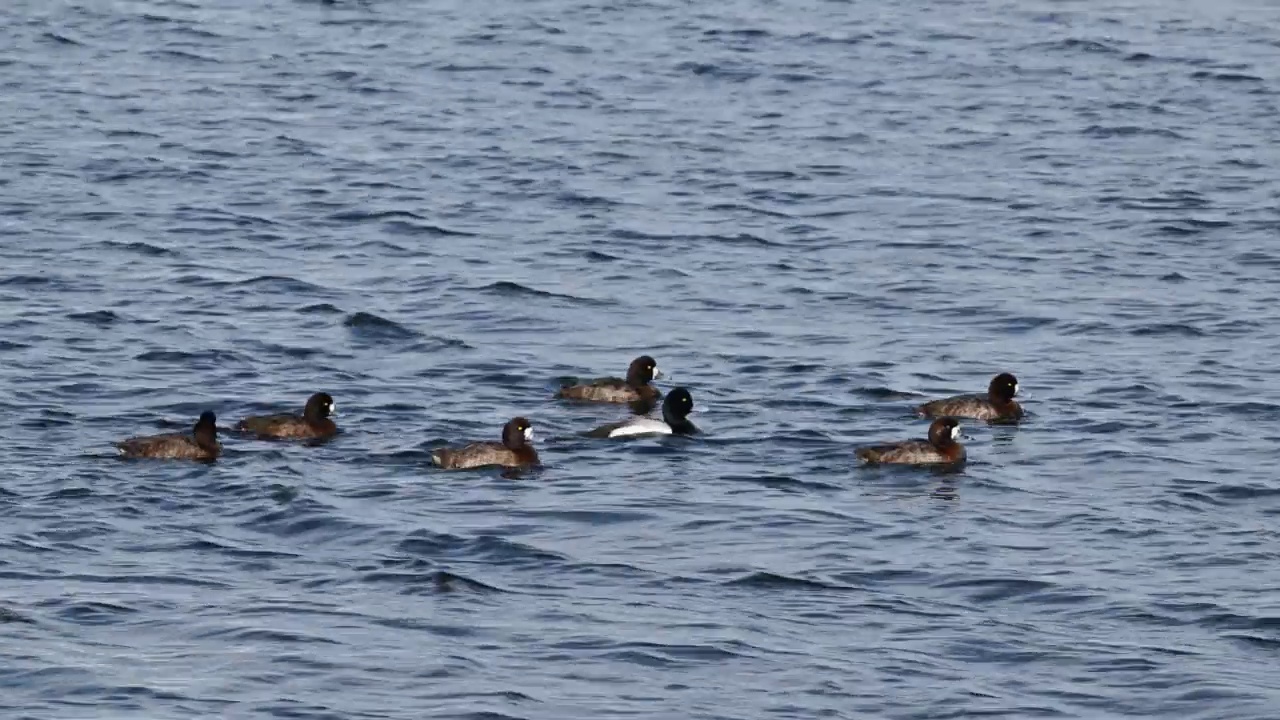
column 675, row 420
column 997, row 404
column 312, row 424
column 635, row 389
column 515, row 450
column 201, row 444
column 940, row 448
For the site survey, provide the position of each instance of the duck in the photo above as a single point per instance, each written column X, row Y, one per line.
column 940, row 449
column 675, row 420
column 313, row 423
column 634, row 389
column 201, row 444
column 997, row 404
column 514, row 451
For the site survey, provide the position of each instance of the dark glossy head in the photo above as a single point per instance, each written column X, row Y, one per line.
column 677, row 406
column 642, row 371
column 206, row 429
column 319, row 407
column 1002, row 388
column 944, row 432
column 517, row 433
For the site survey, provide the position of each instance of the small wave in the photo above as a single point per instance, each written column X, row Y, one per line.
column 785, row 483
column 436, row 580
column 1225, row 77
column 139, row 247
column 989, row 589
column 1166, row 329
column 1174, row 201
column 355, row 216
column 294, row 521
column 453, row 67
column 1073, row 45
column 1100, row 131
column 61, row 39
column 504, row 288
column 724, row 72
column 424, row 543
column 775, row 581
column 95, row 317
column 742, row 239
column 580, row 199
column 1253, row 410
column 146, row 579
column 372, row 326
column 320, row 309
column 181, row 356
column 260, row 348
column 130, row 133
column 96, row 613
column 1251, row 259
column 235, row 552
column 255, row 635
column 404, row 227
column 435, row 343
column 1244, row 492
column 13, row 616
column 168, row 54
column 751, row 33
column 281, row 284
column 27, row 281
column 886, row 393
column 654, row 654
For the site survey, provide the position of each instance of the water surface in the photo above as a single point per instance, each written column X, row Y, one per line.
column 814, row 214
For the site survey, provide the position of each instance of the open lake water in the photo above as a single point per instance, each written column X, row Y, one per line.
column 815, row 215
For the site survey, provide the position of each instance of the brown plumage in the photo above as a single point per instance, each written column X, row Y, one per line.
column 997, row 404
column 634, row 389
column 313, row 423
column 940, row 449
column 513, row 451
column 201, row 444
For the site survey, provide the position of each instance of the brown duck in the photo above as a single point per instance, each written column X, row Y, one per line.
column 201, row 444
column 634, row 389
column 940, row 449
column 514, row 450
column 313, row 423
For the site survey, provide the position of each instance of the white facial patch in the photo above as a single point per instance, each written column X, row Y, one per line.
column 528, row 434
column 1015, row 388
column 955, row 431
column 656, row 372
column 333, row 408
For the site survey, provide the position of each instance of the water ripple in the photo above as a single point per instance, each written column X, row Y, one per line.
column 814, row 215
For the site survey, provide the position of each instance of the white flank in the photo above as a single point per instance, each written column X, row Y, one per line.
column 642, row 426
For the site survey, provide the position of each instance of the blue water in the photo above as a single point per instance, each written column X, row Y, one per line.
column 813, row 214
